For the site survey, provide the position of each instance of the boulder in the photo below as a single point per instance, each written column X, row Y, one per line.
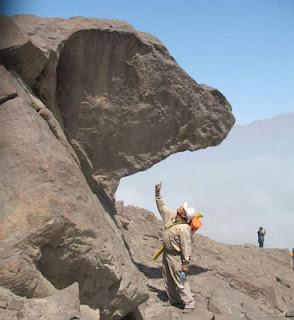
column 7, row 89
column 85, row 102
column 21, row 276
column 53, row 229
column 64, row 305
column 18, row 52
column 123, row 101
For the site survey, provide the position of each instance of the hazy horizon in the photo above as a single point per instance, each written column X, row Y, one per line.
column 245, row 182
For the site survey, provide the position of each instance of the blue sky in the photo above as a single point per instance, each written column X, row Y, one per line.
column 243, row 48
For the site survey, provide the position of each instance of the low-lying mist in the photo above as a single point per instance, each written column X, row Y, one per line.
column 242, row 184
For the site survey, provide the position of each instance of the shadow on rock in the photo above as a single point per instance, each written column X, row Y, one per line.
column 155, row 272
column 194, row 270
column 161, row 294
column 149, row 272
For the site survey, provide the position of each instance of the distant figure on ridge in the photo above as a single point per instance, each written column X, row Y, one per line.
column 261, row 233
column 177, row 243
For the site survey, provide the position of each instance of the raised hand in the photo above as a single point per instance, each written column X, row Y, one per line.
column 158, row 188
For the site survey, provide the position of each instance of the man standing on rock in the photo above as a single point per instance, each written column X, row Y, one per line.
column 177, row 245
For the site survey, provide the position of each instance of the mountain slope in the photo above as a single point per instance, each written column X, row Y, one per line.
column 229, row 281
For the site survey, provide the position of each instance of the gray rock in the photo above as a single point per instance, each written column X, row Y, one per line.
column 53, row 228
column 228, row 281
column 63, row 305
column 118, row 90
column 283, row 282
column 7, row 89
column 274, row 296
column 86, row 102
column 225, row 317
column 21, row 276
column 89, row 314
column 17, row 52
column 290, row 313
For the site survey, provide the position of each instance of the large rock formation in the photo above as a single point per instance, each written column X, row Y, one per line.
column 230, row 282
column 83, row 103
column 122, row 100
column 53, row 228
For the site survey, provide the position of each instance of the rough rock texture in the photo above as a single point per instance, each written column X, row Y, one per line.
column 19, row 53
column 89, row 314
column 64, row 305
column 123, row 101
column 84, row 102
column 229, row 281
column 7, row 89
column 53, row 228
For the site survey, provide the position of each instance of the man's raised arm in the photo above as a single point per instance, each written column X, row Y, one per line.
column 159, row 201
column 166, row 213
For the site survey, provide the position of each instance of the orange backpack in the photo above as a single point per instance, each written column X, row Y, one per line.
column 196, row 223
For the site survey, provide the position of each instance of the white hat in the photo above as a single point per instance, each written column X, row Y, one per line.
column 190, row 211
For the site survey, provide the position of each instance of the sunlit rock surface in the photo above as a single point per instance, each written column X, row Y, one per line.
column 85, row 102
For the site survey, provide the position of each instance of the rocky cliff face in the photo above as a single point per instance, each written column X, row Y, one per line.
column 53, row 229
column 122, row 100
column 85, row 102
column 229, row 282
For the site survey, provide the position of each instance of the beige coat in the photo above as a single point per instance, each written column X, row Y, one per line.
column 176, row 239
column 177, row 252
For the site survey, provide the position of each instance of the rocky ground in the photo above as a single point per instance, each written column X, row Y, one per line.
column 230, row 282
